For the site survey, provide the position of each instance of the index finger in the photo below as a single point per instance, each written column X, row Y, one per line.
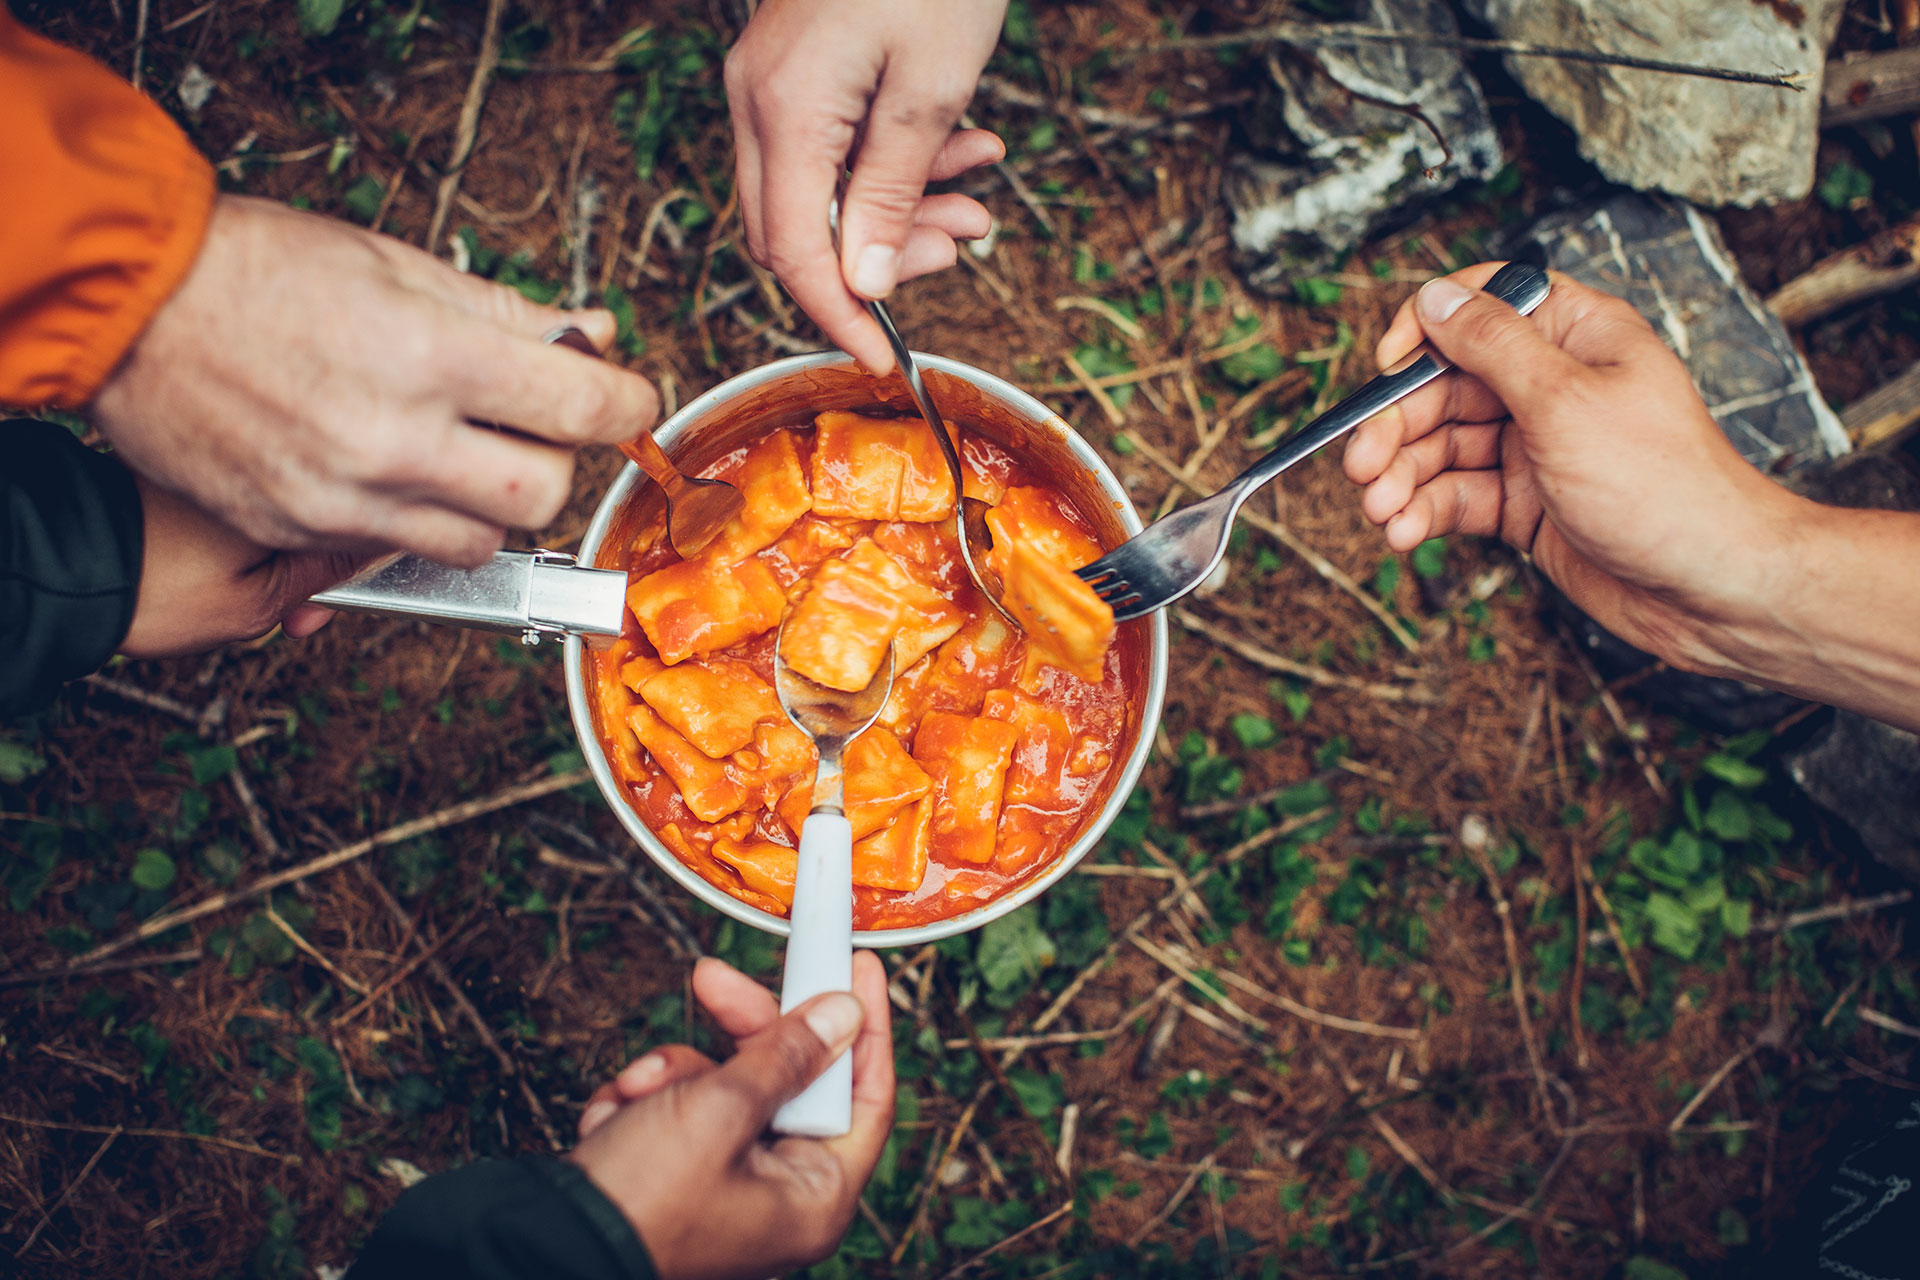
column 795, row 193
column 545, row 390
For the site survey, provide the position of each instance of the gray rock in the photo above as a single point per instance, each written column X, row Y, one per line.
column 1868, row 775
column 1669, row 261
column 1336, row 163
column 1711, row 141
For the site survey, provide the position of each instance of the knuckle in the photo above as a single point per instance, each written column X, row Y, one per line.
column 588, row 407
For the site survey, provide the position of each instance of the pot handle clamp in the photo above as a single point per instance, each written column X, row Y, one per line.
column 537, row 593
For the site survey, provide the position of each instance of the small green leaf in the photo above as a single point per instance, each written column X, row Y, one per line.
column 1358, row 1163
column 152, row 869
column 1297, row 702
column 1644, row 1268
column 210, row 764
column 1317, row 292
column 1293, row 1196
column 1736, row 918
column 1254, row 365
column 320, row 17
column 1013, row 951
column 18, row 762
column 1430, row 558
column 1387, row 577
column 1734, row 771
column 1674, row 927
column 1253, row 731
column 1728, row 817
column 1845, row 186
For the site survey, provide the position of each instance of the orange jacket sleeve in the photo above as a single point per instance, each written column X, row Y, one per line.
column 103, row 205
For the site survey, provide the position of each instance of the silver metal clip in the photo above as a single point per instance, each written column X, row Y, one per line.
column 535, row 593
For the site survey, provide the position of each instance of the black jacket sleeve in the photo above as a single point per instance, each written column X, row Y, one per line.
column 505, row 1220
column 71, row 538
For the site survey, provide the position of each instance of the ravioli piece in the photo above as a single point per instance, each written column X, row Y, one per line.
column 896, row 856
column 841, row 627
column 614, row 700
column 764, row 866
column 713, row 704
column 809, row 542
column 639, row 669
column 1068, row 624
column 698, row 606
column 1035, row 800
column 977, row 657
column 967, row 757
column 708, row 789
column 780, row 762
column 774, row 485
column 1035, row 516
column 881, row 781
column 927, row 618
column 879, row 469
column 930, row 552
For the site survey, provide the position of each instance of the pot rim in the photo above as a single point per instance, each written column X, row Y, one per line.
column 579, row 704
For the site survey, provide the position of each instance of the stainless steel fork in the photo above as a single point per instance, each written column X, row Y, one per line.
column 1174, row 554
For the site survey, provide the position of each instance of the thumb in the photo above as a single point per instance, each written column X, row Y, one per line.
column 909, row 124
column 774, row 1065
column 1485, row 337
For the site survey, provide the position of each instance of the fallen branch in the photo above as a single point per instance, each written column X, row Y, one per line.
column 1878, row 265
column 447, row 817
column 1875, row 1018
column 1887, row 416
column 1316, row 35
column 1870, row 86
column 1286, row 666
column 210, row 1140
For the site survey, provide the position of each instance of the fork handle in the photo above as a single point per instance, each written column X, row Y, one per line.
column 1520, row 285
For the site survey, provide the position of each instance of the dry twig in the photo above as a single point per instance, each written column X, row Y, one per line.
column 450, row 816
column 469, row 125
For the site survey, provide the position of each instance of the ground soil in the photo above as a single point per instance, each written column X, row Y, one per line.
column 237, row 1111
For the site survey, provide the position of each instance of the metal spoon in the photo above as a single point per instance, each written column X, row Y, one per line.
column 969, row 514
column 697, row 510
column 820, row 948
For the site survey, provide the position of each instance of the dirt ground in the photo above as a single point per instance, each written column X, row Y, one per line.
column 1333, row 1035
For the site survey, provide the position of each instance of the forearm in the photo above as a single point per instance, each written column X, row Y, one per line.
column 1842, row 625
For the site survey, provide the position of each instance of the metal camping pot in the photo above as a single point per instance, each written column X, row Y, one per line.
column 790, row 392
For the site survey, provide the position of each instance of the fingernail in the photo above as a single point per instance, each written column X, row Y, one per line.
column 1439, row 299
column 641, row 1073
column 875, row 271
column 596, row 1113
column 835, row 1019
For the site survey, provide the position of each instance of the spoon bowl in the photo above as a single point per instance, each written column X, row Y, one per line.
column 697, row 510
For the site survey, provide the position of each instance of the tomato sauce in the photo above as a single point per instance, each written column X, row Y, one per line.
column 998, row 757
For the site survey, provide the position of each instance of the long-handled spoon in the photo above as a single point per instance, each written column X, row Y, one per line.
column 697, row 510
column 969, row 514
column 820, row 948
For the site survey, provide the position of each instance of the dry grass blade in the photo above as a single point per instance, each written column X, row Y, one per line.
column 46, row 1215
column 176, row 1135
column 469, row 126
column 1174, row 1201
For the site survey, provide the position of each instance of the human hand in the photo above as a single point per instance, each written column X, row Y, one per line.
column 810, row 79
column 203, row 585
column 680, row 1143
column 318, row 386
column 1578, row 438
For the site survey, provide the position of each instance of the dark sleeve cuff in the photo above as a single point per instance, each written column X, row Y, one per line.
column 505, row 1220
column 71, row 539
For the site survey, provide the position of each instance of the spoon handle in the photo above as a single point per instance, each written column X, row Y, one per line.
column 647, row 454
column 820, row 959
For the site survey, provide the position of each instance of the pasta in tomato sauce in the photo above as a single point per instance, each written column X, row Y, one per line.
column 998, row 744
